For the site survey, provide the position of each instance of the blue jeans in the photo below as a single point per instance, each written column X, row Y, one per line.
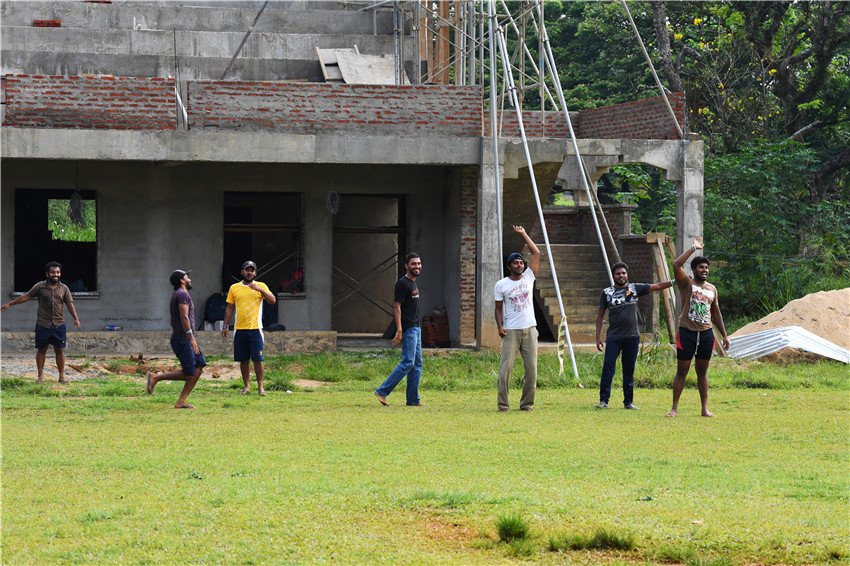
column 410, row 366
column 613, row 346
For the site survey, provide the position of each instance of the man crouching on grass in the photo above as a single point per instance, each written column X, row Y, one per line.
column 182, row 340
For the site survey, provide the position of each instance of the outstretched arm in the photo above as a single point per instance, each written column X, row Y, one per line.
column 18, row 301
column 660, row 286
column 678, row 272
column 534, row 260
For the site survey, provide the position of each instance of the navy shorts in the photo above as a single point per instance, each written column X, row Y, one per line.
column 44, row 337
column 690, row 343
column 189, row 360
column 248, row 344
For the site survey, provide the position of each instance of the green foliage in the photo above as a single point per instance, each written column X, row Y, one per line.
column 774, row 244
column 60, row 221
column 512, row 527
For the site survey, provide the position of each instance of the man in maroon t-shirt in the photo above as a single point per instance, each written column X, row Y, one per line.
column 183, row 342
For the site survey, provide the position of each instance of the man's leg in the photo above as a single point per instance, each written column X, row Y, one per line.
column 682, row 368
column 528, row 349
column 259, row 369
column 415, row 374
column 408, row 357
column 245, row 370
column 60, row 362
column 630, row 348
column 701, row 367
column 609, row 368
column 191, row 381
column 40, row 357
column 510, row 347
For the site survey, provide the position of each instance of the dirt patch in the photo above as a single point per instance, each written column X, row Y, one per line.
column 309, row 383
column 825, row 314
column 437, row 528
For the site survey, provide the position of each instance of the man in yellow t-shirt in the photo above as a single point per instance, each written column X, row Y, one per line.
column 247, row 297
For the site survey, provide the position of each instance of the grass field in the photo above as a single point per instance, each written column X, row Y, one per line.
column 99, row 473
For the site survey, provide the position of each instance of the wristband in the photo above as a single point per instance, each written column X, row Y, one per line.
column 672, row 282
column 693, row 249
column 188, row 332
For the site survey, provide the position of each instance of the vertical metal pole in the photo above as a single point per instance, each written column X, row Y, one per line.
column 550, row 60
column 395, row 39
column 512, row 88
column 414, row 34
column 491, row 11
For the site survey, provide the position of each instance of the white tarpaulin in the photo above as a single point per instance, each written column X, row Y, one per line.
column 766, row 342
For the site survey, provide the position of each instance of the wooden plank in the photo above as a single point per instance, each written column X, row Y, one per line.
column 667, row 294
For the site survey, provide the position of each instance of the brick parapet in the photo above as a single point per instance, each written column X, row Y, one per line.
column 98, row 102
column 312, row 108
column 87, row 102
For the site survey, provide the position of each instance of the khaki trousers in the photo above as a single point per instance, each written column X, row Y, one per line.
column 524, row 342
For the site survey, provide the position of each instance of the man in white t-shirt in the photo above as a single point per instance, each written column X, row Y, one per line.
column 517, row 325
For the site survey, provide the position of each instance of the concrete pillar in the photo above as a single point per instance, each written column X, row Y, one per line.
column 318, row 259
column 489, row 255
column 689, row 203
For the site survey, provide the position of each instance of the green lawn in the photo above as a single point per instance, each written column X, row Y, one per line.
column 101, row 474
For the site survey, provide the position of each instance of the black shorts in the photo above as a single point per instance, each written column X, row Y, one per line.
column 54, row 335
column 189, row 360
column 690, row 343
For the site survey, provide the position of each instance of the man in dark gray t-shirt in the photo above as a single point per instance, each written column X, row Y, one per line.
column 621, row 302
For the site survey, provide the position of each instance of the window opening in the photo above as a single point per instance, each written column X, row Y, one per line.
column 56, row 225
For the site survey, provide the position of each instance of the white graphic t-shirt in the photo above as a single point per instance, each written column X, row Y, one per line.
column 516, row 297
column 698, row 315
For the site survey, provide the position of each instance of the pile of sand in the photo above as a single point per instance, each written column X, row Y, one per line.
column 825, row 313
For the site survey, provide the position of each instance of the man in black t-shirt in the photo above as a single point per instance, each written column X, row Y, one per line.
column 623, row 335
column 408, row 334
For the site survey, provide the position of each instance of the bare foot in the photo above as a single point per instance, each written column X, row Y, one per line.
column 244, row 391
column 673, row 413
column 262, row 392
column 150, row 384
column 706, row 413
column 63, row 380
column 40, row 380
column 184, row 406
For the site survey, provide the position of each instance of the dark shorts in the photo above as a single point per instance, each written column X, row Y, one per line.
column 189, row 360
column 248, row 344
column 44, row 337
column 690, row 343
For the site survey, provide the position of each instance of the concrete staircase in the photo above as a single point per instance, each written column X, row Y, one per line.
column 137, row 38
column 581, row 277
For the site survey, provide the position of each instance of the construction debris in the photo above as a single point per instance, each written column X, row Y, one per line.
column 818, row 323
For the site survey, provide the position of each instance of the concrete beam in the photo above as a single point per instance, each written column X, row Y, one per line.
column 238, row 147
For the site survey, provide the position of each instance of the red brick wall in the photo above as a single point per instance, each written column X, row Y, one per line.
column 311, row 108
column 468, row 252
column 307, row 108
column 640, row 119
column 122, row 103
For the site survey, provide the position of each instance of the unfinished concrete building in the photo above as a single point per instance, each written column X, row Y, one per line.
column 313, row 136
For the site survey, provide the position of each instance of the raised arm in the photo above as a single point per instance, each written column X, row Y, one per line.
column 534, row 260
column 678, row 272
